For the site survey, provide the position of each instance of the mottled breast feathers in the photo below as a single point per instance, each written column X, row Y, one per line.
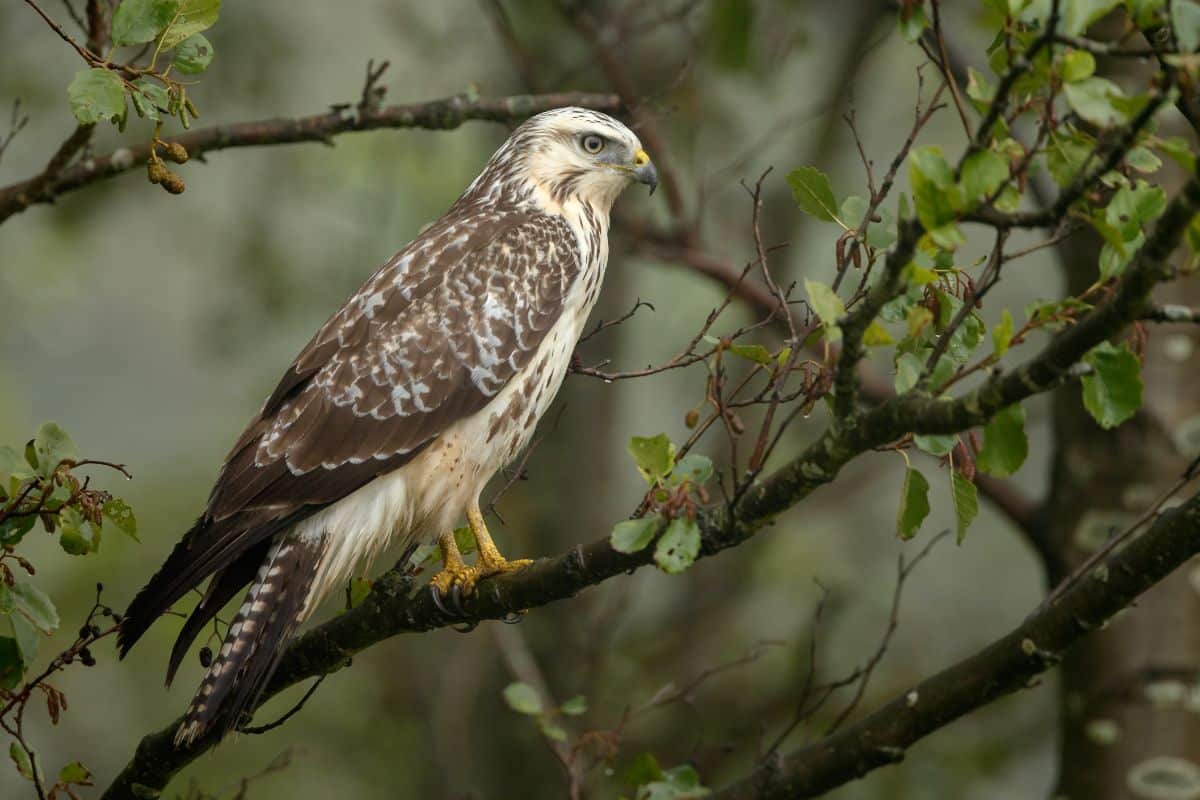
column 428, row 340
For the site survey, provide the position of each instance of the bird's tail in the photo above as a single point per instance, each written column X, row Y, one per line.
column 275, row 605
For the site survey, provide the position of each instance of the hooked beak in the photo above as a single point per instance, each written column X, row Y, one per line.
column 644, row 171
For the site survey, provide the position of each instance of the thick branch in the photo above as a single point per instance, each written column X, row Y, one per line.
column 446, row 113
column 1006, row 666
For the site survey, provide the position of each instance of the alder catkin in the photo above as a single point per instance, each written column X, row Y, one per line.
column 173, row 183
column 156, row 172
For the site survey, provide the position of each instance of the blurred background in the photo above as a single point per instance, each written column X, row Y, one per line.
column 173, row 317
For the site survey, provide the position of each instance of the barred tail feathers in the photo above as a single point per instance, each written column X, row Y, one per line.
column 275, row 605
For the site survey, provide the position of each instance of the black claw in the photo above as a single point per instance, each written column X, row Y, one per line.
column 456, row 600
column 437, row 600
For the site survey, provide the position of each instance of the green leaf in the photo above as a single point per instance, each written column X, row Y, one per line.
column 914, row 504
column 827, row 306
column 1113, row 393
column 464, row 538
column 75, row 535
column 1002, row 334
column 13, row 465
column 1178, row 150
column 97, row 95
column 35, row 605
column 575, row 706
column 881, row 233
column 75, row 773
column 149, row 98
column 1092, row 99
column 979, row 89
column 21, row 759
column 919, row 318
column 1143, row 160
column 359, row 589
column 118, row 512
column 522, row 698
column 1080, row 14
column 912, row 24
column 677, row 783
column 194, row 54
column 1132, row 207
column 642, row 770
column 752, row 352
column 854, row 210
column 1185, row 19
column 679, row 546
column 966, row 502
column 194, row 16
column 74, row 542
column 876, row 335
column 27, row 638
column 1077, row 65
column 654, row 456
column 633, row 535
column 140, row 21
column 53, row 446
column 1066, row 154
column 982, row 175
column 11, row 665
column 908, row 371
column 551, row 729
column 1005, row 445
column 1009, row 199
column 935, row 444
column 937, row 196
column 13, row 529
column 813, row 193
column 1042, row 310
column 694, row 468
column 948, row 236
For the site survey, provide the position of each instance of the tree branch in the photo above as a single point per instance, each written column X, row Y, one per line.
column 442, row 114
column 1003, row 667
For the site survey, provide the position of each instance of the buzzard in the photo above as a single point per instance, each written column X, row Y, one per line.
column 389, row 423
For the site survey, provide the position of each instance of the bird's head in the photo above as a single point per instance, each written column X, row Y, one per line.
column 576, row 153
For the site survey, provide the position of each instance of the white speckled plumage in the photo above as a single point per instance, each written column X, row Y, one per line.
column 403, row 406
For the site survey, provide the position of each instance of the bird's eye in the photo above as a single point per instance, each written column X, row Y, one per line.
column 593, row 144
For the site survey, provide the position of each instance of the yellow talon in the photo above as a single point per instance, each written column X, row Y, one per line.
column 457, row 573
column 491, row 562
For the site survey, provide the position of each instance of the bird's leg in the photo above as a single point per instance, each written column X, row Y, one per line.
column 457, row 579
column 490, row 562
column 456, row 576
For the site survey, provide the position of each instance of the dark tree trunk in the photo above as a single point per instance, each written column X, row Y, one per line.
column 1125, row 690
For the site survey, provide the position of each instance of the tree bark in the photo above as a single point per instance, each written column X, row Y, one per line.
column 1124, row 691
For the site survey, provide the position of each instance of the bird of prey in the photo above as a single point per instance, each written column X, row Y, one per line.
column 389, row 423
